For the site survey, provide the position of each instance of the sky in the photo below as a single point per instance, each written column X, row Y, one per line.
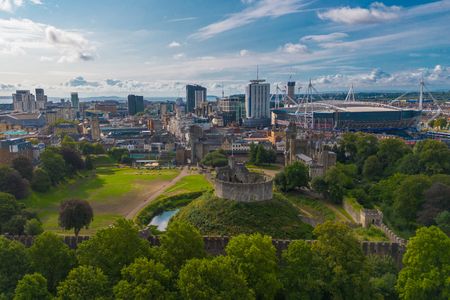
column 156, row 47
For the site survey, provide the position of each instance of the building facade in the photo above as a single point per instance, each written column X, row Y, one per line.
column 75, row 100
column 135, row 104
column 257, row 100
column 195, row 94
column 24, row 101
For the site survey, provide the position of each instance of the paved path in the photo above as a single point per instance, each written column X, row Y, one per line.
column 158, row 192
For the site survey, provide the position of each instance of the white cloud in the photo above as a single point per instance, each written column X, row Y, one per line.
column 19, row 36
column 174, row 44
column 294, row 48
column 181, row 19
column 261, row 9
column 11, row 5
column 244, row 52
column 46, row 58
column 378, row 79
column 376, row 13
column 179, row 56
column 80, row 81
column 321, row 38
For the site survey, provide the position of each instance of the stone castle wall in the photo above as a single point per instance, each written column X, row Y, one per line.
column 244, row 192
column 215, row 245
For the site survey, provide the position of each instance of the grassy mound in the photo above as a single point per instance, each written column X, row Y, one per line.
column 215, row 216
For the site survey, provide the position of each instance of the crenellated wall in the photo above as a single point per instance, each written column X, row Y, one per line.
column 215, row 245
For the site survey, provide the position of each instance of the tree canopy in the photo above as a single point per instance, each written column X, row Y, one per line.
column 426, row 266
column 75, row 214
column 32, row 287
column 84, row 282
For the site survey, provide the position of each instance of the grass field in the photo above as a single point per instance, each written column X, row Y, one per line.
column 111, row 191
column 180, row 194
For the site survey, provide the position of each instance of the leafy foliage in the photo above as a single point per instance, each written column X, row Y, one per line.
column 346, row 274
column 254, row 255
column 204, row 279
column 179, row 243
column 119, row 245
column 53, row 163
column 214, row 159
column 33, row 227
column 51, row 257
column 32, row 286
column 75, row 214
column 84, row 282
column 15, row 263
column 294, row 176
column 12, row 182
column 144, row 279
column 259, row 155
column 24, row 166
column 426, row 266
column 299, row 258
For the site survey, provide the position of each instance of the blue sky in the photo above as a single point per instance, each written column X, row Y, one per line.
column 155, row 47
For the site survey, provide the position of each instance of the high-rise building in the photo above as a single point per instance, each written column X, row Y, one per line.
column 41, row 99
column 75, row 100
column 291, row 90
column 135, row 104
column 257, row 99
column 195, row 94
column 24, row 101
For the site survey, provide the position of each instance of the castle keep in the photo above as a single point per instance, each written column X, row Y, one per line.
column 236, row 182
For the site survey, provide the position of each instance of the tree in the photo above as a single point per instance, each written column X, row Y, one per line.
column 443, row 221
column 383, row 276
column 426, row 266
column 8, row 208
column 179, row 243
column 433, row 157
column 14, row 264
column 12, row 182
column 296, row 175
column 119, row 245
column 302, row 272
column 84, row 282
column 32, row 287
column 54, row 164
column 215, row 159
column 144, row 279
column 75, row 214
column 390, row 152
column 117, row 153
column 24, row 166
column 408, row 197
column 15, row 225
column 204, row 279
column 436, row 200
column 51, row 257
column 41, row 181
column 281, row 181
column 346, row 275
column 255, row 256
column 73, row 159
column 373, row 168
column 33, row 227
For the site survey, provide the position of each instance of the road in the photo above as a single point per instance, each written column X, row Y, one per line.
column 158, row 192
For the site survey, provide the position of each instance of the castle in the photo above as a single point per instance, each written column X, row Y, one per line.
column 236, row 182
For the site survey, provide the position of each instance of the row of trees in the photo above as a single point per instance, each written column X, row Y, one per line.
column 259, row 155
column 117, row 263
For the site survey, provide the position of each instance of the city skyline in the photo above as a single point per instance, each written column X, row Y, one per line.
column 155, row 49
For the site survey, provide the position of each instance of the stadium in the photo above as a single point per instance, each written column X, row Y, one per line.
column 347, row 115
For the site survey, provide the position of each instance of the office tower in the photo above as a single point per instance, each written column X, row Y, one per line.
column 257, row 99
column 95, row 129
column 195, row 94
column 291, row 90
column 135, row 104
column 41, row 99
column 23, row 101
column 75, row 101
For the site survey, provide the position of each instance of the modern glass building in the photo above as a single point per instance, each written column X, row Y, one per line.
column 135, row 104
column 195, row 94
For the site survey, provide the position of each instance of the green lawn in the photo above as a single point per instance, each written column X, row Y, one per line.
column 372, row 234
column 187, row 184
column 312, row 208
column 273, row 167
column 180, row 194
column 112, row 192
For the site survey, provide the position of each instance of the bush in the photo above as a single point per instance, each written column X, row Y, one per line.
column 215, row 159
column 33, row 227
